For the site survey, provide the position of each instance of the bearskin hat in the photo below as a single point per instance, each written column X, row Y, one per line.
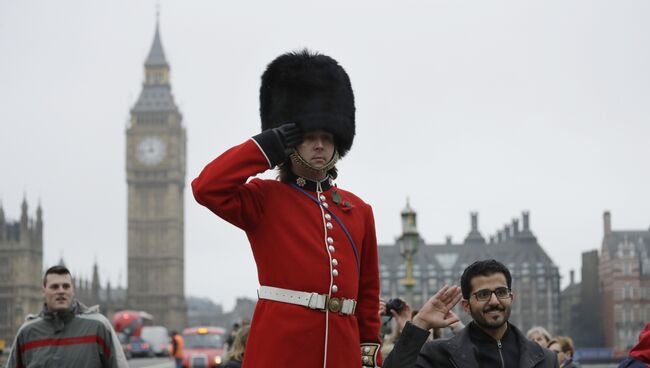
column 311, row 90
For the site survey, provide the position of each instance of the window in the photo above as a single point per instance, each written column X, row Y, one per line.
column 5, row 270
column 4, row 312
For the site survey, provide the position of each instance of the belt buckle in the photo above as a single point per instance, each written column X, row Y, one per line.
column 335, row 305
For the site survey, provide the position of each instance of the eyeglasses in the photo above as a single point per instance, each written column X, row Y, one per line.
column 485, row 294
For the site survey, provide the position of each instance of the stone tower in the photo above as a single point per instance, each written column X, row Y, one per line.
column 21, row 269
column 155, row 175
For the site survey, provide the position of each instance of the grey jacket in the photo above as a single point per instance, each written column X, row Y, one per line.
column 458, row 351
column 78, row 337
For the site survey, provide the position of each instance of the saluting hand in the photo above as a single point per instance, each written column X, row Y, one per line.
column 436, row 312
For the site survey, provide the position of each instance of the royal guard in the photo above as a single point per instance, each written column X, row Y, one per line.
column 314, row 244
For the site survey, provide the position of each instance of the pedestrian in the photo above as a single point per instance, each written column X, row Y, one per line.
column 231, row 335
column 639, row 356
column 540, row 335
column 314, row 243
column 489, row 340
column 236, row 352
column 562, row 346
column 65, row 333
column 177, row 348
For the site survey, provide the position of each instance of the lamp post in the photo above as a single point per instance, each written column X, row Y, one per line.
column 409, row 242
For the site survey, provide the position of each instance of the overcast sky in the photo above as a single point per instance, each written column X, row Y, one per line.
column 490, row 106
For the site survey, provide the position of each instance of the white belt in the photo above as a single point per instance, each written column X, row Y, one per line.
column 317, row 301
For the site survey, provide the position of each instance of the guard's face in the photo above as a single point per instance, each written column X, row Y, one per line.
column 493, row 312
column 317, row 148
column 58, row 292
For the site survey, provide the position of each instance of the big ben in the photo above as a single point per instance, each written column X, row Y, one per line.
column 155, row 175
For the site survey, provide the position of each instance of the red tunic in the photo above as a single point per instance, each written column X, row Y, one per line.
column 288, row 238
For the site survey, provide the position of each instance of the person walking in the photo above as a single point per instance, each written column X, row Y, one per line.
column 177, row 348
column 65, row 333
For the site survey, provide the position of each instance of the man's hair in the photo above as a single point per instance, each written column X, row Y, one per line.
column 55, row 270
column 482, row 268
column 565, row 342
column 538, row 330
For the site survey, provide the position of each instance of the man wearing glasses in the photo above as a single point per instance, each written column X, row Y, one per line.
column 488, row 341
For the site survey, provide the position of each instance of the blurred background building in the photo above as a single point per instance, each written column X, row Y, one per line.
column 414, row 270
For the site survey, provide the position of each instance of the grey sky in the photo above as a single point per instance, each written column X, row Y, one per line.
column 495, row 107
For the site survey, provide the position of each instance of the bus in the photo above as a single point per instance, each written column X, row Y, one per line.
column 130, row 322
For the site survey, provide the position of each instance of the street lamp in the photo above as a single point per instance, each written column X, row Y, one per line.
column 408, row 242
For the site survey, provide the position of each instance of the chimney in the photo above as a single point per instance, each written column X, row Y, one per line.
column 515, row 227
column 474, row 216
column 526, row 221
column 572, row 277
column 607, row 223
column 506, row 232
column 499, row 236
column 448, row 240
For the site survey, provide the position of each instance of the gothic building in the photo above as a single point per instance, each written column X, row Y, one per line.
column 155, row 168
column 624, row 272
column 536, row 279
column 21, row 269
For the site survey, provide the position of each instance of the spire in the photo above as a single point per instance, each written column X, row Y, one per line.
column 156, row 93
column 95, row 283
column 156, row 56
column 23, row 212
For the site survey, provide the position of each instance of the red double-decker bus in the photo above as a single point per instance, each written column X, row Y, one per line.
column 130, row 323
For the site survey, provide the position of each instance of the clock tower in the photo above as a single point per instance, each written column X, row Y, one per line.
column 155, row 176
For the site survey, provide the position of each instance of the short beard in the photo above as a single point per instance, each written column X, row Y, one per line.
column 479, row 318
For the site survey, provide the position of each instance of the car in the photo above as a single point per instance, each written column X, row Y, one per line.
column 139, row 348
column 204, row 347
column 158, row 338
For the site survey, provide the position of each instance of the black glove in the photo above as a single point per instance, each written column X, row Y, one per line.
column 290, row 135
column 278, row 143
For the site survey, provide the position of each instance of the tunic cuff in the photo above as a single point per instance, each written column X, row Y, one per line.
column 369, row 355
column 271, row 147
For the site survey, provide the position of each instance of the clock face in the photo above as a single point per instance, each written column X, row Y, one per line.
column 151, row 150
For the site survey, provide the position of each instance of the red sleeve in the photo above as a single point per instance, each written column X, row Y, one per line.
column 222, row 187
column 367, row 310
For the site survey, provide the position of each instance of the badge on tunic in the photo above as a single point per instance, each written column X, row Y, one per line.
column 336, row 198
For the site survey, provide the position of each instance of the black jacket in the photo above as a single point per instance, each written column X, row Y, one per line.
column 459, row 351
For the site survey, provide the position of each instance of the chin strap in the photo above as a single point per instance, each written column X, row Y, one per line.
column 298, row 160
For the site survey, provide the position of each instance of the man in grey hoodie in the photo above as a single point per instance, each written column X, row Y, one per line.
column 66, row 333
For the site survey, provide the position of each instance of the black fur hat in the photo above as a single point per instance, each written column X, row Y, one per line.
column 311, row 90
